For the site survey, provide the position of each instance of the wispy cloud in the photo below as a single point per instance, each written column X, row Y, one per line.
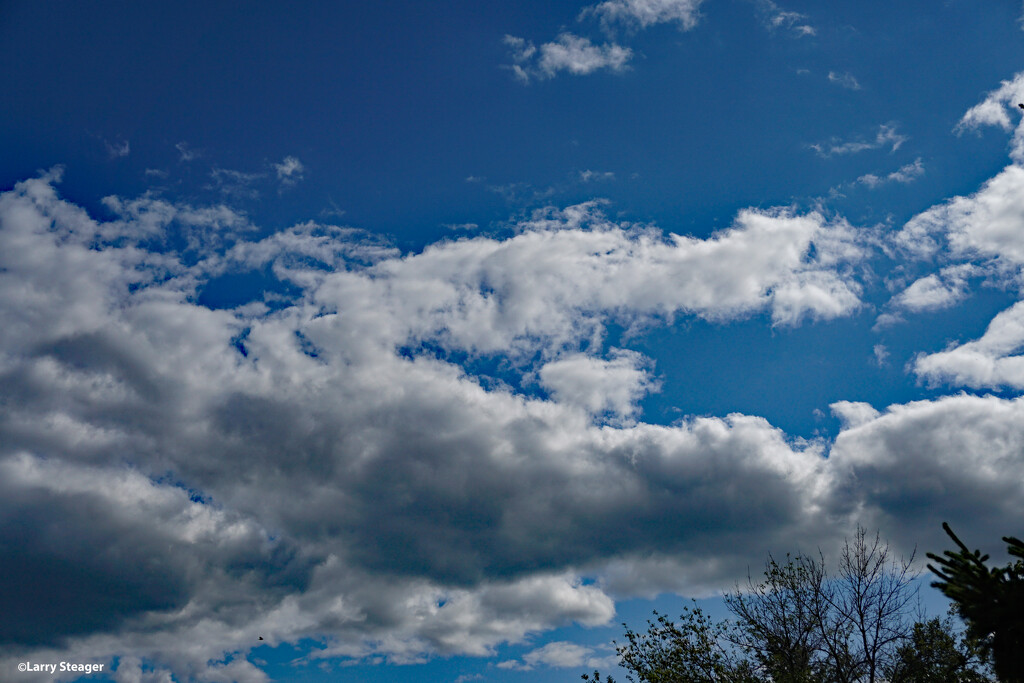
column 117, row 149
column 570, row 53
column 844, row 80
column 561, row 655
column 885, row 137
column 589, row 176
column 186, row 153
column 775, row 18
column 907, row 173
column 238, row 184
column 644, row 13
column 289, row 171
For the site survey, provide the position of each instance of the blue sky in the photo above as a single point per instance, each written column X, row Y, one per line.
column 431, row 342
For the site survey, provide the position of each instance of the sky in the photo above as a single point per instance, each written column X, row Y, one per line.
column 432, row 341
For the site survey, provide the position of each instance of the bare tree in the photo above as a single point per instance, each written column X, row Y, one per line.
column 872, row 598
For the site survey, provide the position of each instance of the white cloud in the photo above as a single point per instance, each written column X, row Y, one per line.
column 845, row 80
column 853, row 413
column 235, row 184
column 952, row 459
column 985, row 225
column 993, row 360
column 936, row 291
column 117, row 149
column 561, row 655
column 645, row 13
column 289, row 171
column 597, row 385
column 592, row 176
column 992, row 111
column 907, row 173
column 342, row 479
column 186, row 153
column 881, row 354
column 571, row 53
column 885, row 137
column 776, row 18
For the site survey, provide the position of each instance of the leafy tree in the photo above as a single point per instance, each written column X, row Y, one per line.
column 934, row 653
column 801, row 624
column 777, row 621
column 990, row 601
column 695, row 650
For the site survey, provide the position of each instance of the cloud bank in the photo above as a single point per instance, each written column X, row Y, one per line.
column 330, row 459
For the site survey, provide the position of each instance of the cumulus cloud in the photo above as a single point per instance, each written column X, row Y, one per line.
column 993, row 360
column 986, row 224
column 316, row 462
column 571, row 53
column 853, row 413
column 885, row 137
column 599, row 386
column 919, row 464
column 936, row 291
column 645, row 13
column 996, row 110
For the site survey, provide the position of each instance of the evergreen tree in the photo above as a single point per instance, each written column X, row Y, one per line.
column 989, row 600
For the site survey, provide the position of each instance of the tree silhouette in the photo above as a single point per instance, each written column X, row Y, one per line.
column 989, row 600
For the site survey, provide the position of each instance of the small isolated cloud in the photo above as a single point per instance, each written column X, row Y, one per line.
column 775, row 19
column 592, row 176
column 844, row 80
column 907, row 173
column 186, row 153
column 461, row 226
column 881, row 354
column 117, row 149
column 571, row 53
column 936, row 291
column 885, row 137
column 644, row 13
column 289, row 171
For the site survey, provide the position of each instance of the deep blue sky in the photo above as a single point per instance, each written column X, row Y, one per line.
column 444, row 358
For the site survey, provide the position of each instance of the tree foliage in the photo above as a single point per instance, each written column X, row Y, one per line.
column 990, row 601
column 804, row 624
column 935, row 653
column 694, row 650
